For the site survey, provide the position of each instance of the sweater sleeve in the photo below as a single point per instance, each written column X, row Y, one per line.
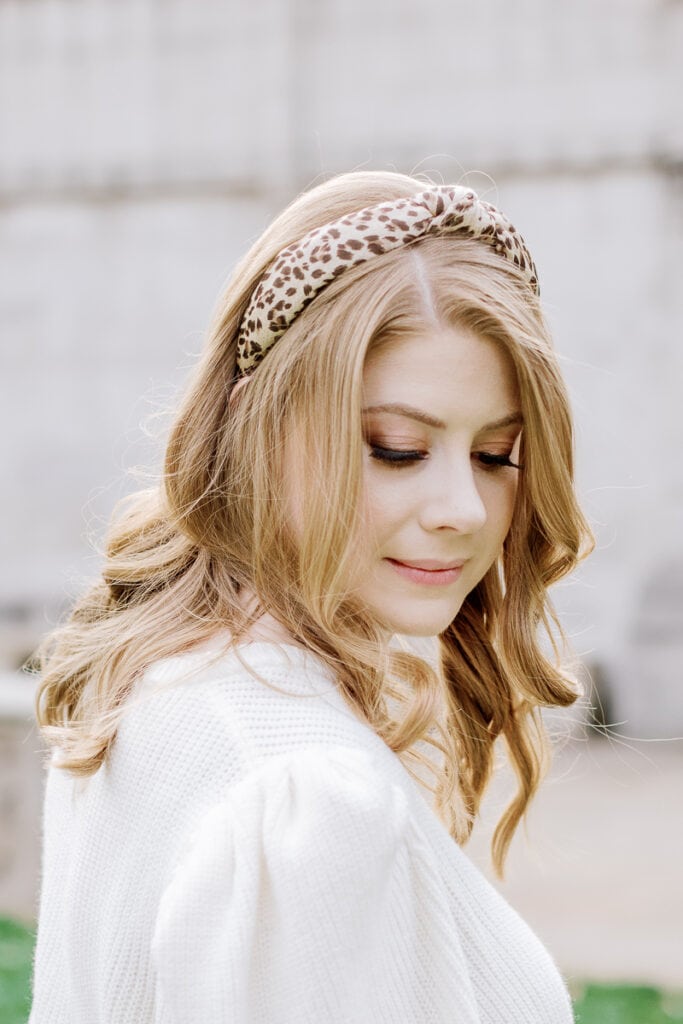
column 308, row 895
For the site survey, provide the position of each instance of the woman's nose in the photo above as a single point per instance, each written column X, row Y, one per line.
column 453, row 502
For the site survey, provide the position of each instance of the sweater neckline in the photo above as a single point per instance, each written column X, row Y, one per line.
column 270, row 654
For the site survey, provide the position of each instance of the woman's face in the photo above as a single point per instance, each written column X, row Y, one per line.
column 442, row 424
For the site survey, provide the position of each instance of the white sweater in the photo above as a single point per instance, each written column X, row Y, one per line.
column 248, row 856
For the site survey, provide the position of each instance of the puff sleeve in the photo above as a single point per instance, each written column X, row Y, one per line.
column 308, row 896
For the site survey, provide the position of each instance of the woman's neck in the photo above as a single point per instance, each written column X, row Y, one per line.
column 266, row 627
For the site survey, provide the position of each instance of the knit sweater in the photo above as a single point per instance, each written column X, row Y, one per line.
column 252, row 852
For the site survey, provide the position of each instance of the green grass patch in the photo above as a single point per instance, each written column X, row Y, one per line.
column 16, row 952
column 627, row 1004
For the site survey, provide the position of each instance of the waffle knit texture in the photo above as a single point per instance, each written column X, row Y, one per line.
column 251, row 852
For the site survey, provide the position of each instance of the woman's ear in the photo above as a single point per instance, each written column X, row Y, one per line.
column 241, row 383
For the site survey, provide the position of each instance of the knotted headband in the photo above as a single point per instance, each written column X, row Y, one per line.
column 299, row 272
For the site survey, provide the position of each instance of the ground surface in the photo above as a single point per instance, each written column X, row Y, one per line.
column 600, row 876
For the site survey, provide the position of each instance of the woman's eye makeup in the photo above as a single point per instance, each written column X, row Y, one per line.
column 489, row 460
column 395, row 456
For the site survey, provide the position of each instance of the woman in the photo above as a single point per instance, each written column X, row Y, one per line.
column 258, row 792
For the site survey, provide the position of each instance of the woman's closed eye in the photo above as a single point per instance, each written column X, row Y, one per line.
column 396, row 456
column 489, row 461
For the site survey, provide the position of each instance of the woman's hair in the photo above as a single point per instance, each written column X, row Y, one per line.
column 178, row 557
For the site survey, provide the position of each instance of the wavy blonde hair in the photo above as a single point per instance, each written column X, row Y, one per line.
column 178, row 557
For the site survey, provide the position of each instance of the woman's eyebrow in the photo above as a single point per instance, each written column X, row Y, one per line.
column 407, row 410
column 513, row 419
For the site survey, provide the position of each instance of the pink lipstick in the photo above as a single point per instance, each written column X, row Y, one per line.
column 428, row 571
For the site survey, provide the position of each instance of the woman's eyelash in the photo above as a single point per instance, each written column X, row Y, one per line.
column 491, row 461
column 402, row 456
column 396, row 455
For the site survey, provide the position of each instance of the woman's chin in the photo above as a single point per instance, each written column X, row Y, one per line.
column 429, row 623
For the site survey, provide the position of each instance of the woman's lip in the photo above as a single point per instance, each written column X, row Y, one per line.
column 431, row 564
column 438, row 577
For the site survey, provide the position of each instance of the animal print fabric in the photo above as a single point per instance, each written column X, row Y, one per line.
column 303, row 269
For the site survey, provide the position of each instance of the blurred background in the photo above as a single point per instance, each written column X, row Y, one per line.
column 145, row 145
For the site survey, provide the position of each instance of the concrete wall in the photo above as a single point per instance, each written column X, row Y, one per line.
column 146, row 145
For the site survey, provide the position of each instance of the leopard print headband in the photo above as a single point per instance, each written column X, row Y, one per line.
column 303, row 269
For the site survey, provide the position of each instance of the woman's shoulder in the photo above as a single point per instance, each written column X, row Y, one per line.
column 201, row 723
column 246, row 703
column 219, row 658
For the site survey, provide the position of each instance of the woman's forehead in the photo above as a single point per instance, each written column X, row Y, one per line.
column 447, row 375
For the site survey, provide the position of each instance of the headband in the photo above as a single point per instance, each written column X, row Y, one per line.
column 299, row 272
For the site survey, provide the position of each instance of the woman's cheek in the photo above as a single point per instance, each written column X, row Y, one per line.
column 500, row 497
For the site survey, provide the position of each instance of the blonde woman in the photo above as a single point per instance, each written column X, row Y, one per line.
column 258, row 794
